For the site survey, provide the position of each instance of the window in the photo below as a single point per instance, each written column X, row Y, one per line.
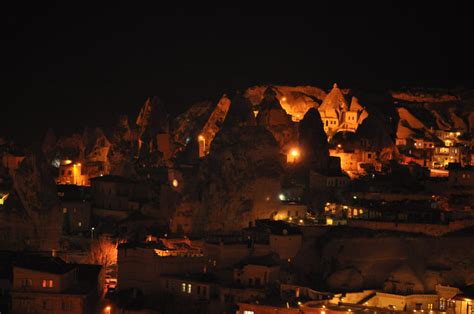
column 67, row 306
column 189, row 288
column 442, row 304
column 79, row 224
column 204, row 291
column 248, row 312
column 69, row 172
column 64, row 210
column 199, row 290
column 430, row 306
column 26, row 283
column 47, row 283
column 418, row 306
column 47, row 305
column 250, row 282
column 183, row 287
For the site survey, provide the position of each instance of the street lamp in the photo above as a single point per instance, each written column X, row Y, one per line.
column 108, row 309
column 92, row 233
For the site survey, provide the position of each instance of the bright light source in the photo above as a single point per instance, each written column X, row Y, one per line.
column 301, row 221
column 354, row 197
column 295, row 152
column 283, row 99
column 290, row 219
column 175, row 183
column 79, row 164
column 339, row 145
column 201, row 138
column 282, row 197
column 458, row 133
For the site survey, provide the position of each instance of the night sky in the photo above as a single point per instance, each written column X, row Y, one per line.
column 68, row 64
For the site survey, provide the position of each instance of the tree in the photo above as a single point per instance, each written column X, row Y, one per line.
column 103, row 251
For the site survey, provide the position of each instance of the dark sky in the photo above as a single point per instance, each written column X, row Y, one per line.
column 68, row 64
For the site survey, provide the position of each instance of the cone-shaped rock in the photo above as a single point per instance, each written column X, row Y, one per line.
column 313, row 140
column 240, row 112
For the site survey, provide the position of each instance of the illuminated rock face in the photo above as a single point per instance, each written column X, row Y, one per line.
column 213, row 125
column 295, row 100
column 338, row 116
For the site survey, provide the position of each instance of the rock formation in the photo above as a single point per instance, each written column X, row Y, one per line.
column 272, row 116
column 313, row 141
column 33, row 217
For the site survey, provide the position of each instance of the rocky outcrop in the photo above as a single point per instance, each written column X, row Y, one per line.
column 272, row 116
column 214, row 123
column 295, row 100
column 96, row 144
column 240, row 113
column 34, row 209
column 123, row 148
column 313, row 141
column 153, row 119
column 239, row 180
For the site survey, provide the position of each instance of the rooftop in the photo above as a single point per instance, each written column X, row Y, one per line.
column 46, row 264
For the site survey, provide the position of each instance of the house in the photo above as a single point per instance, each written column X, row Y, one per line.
column 71, row 173
column 257, row 271
column 223, row 252
column 76, row 207
column 141, row 265
column 50, row 285
column 444, row 155
column 284, row 239
column 329, row 179
column 355, row 161
column 460, row 177
column 199, row 286
column 337, row 115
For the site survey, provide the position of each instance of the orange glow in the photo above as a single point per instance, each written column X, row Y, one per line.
column 201, row 138
column 175, row 183
column 283, row 99
column 293, row 155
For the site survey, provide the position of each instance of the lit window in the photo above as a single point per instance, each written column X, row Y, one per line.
column 64, row 210
column 183, row 287
column 79, row 224
column 189, row 288
column 47, row 283
column 248, row 312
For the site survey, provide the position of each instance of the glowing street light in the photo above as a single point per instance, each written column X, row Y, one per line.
column 92, row 233
column 175, row 183
column 281, row 196
column 107, row 309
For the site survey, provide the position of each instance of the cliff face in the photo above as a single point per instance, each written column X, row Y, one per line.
column 295, row 100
